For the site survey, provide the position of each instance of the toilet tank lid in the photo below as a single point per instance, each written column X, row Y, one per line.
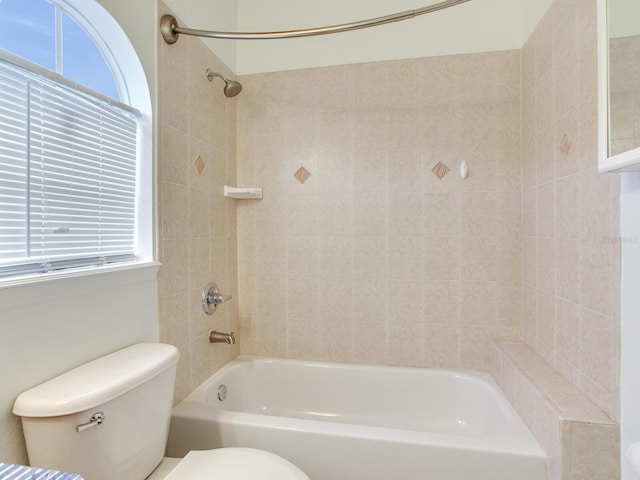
column 97, row 382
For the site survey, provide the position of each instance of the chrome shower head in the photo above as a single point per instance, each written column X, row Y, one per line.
column 231, row 87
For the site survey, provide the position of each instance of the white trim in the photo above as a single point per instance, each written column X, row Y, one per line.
column 628, row 161
column 58, row 43
column 129, row 67
column 63, row 275
column 132, row 81
column 83, row 17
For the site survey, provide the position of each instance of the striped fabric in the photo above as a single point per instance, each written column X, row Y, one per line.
column 20, row 472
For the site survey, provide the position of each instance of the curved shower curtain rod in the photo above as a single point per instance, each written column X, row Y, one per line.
column 171, row 30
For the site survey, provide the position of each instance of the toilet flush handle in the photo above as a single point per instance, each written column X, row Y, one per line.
column 95, row 420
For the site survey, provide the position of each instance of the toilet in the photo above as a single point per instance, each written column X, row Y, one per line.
column 109, row 420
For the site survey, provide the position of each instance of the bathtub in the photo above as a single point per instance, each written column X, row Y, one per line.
column 350, row 422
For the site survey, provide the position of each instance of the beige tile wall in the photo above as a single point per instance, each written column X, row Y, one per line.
column 197, row 235
column 570, row 211
column 374, row 259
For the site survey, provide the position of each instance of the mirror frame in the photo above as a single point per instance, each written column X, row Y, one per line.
column 628, row 161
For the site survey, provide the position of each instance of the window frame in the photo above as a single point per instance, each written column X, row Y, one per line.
column 133, row 87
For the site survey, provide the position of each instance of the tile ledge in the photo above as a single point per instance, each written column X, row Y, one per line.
column 570, row 403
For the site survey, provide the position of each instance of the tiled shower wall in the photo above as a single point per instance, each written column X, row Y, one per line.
column 197, row 235
column 571, row 244
column 374, row 258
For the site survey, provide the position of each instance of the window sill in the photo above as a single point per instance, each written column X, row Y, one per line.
column 79, row 273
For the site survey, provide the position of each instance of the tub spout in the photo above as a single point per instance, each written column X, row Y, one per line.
column 219, row 337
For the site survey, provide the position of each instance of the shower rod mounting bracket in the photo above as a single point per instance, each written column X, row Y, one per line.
column 168, row 26
column 171, row 30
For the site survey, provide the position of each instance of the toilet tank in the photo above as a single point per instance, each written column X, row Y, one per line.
column 132, row 388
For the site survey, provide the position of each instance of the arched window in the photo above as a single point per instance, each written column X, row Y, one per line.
column 73, row 160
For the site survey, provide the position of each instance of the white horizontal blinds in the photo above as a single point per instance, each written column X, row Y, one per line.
column 83, row 176
column 13, row 165
column 81, row 180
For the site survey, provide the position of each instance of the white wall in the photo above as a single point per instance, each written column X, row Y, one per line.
column 630, row 316
column 51, row 326
column 138, row 19
column 476, row 26
column 532, row 12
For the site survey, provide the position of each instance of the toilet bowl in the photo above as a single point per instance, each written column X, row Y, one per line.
column 229, row 463
column 109, row 419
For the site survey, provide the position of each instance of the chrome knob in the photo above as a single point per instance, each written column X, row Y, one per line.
column 211, row 298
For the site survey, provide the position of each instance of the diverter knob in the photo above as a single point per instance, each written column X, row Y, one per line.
column 211, row 298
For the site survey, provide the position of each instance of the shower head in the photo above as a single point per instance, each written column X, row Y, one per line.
column 231, row 87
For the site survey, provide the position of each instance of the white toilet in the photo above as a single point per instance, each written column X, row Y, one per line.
column 109, row 420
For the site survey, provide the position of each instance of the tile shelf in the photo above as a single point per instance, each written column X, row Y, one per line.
column 580, row 440
column 243, row 193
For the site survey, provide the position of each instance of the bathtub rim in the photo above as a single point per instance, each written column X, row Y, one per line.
column 516, row 438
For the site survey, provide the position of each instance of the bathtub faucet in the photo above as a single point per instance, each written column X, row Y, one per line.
column 219, row 337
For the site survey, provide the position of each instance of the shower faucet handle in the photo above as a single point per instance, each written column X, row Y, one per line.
column 211, row 298
column 218, row 298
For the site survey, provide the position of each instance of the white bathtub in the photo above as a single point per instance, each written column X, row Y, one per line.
column 351, row 422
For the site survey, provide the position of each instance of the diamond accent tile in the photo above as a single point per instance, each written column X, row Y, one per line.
column 440, row 170
column 302, row 175
column 565, row 145
column 199, row 164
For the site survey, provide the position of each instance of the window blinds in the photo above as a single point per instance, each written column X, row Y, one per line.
column 67, row 176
